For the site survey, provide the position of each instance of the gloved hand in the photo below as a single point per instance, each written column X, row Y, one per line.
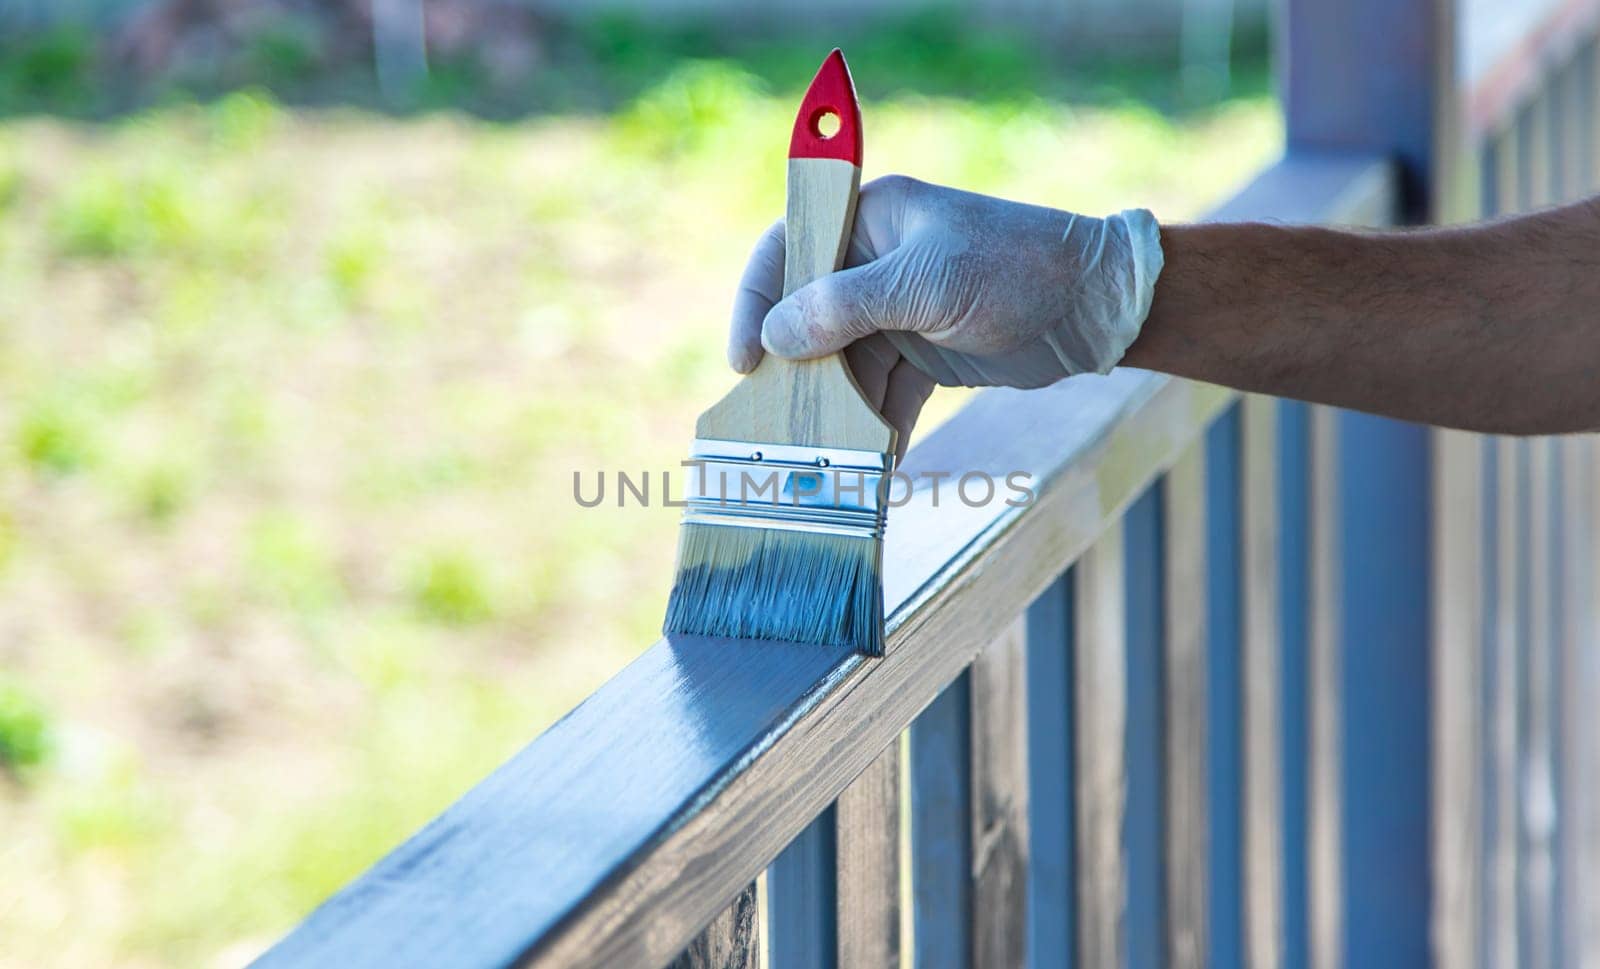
column 960, row 289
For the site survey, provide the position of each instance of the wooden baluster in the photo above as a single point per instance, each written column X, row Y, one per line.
column 1187, row 888
column 1000, row 802
column 731, row 941
column 1144, row 936
column 1051, row 910
column 1537, row 788
column 1224, row 600
column 1580, row 692
column 1501, row 715
column 1384, row 488
column 941, row 842
column 1588, row 85
column 868, row 816
column 801, row 906
column 1371, row 805
column 1457, row 655
column 1538, row 760
column 1261, row 644
column 1294, row 572
column 1541, row 160
column 1100, row 708
column 1324, row 871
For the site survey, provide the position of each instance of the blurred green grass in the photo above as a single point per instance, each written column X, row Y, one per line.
column 289, row 554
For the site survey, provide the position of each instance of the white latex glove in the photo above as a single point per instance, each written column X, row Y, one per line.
column 960, row 289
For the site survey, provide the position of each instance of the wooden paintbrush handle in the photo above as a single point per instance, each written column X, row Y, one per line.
column 811, row 402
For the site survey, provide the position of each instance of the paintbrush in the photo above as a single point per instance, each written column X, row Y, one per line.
column 782, row 533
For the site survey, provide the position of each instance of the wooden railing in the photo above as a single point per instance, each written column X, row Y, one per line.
column 1249, row 682
column 1516, row 756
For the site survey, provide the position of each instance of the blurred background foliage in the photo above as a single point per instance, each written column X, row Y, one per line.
column 297, row 376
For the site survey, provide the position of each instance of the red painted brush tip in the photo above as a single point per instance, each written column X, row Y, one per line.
column 829, row 122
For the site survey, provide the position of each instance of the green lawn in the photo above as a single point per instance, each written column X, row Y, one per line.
column 292, row 402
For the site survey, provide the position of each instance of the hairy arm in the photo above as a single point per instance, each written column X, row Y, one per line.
column 1491, row 327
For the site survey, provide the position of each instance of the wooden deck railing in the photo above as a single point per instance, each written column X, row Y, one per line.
column 1250, row 682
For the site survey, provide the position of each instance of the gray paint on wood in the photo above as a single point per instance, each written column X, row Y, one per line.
column 802, row 932
column 1259, row 668
column 1000, row 802
column 1184, row 578
column 1100, row 702
column 731, row 941
column 941, row 830
column 1051, row 865
column 868, row 839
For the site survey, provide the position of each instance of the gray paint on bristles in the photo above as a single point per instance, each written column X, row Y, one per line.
column 760, row 583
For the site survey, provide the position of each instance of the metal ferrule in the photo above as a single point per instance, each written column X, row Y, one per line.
column 784, row 486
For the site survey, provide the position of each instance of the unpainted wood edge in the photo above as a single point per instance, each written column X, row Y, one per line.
column 1536, row 773
column 1184, row 648
column 1324, row 872
column 1100, row 683
column 1456, row 658
column 1583, row 680
column 1502, row 916
column 1000, row 801
column 868, row 844
column 731, row 941
column 1260, row 717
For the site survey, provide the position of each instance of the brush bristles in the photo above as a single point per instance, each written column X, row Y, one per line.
column 794, row 586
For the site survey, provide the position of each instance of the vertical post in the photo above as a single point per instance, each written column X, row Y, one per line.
column 1294, row 589
column 868, row 842
column 1536, row 760
column 1580, row 644
column 1187, row 854
column 1537, row 884
column 1580, row 692
column 1000, row 802
column 801, row 906
column 1144, row 916
column 1501, row 922
column 1457, row 689
column 1324, row 834
column 1260, row 648
column 1100, row 705
column 1051, row 909
column 941, row 832
column 1384, row 515
column 1402, row 103
column 1224, row 682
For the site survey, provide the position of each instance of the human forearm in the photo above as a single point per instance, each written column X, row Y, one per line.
column 1493, row 327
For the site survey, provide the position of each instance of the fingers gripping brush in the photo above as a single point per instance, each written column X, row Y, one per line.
column 782, row 532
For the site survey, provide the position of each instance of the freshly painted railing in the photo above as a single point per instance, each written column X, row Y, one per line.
column 1249, row 683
